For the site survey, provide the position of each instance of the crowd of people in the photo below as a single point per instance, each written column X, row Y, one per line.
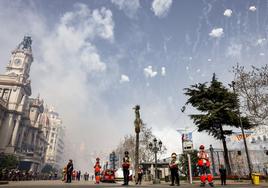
column 18, row 175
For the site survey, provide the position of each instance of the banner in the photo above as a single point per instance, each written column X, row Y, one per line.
column 239, row 137
column 187, row 137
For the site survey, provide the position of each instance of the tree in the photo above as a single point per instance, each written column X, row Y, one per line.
column 8, row 162
column 219, row 109
column 128, row 144
column 184, row 162
column 252, row 87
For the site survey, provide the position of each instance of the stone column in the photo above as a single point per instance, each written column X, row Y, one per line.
column 15, row 132
column 6, row 131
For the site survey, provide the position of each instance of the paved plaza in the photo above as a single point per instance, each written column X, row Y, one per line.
column 58, row 184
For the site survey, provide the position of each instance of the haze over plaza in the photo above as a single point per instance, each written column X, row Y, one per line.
column 95, row 60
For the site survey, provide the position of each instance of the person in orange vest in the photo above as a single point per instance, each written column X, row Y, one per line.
column 64, row 174
column 97, row 170
column 204, row 167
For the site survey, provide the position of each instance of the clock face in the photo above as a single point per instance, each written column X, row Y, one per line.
column 17, row 62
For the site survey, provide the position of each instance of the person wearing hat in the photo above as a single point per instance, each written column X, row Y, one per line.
column 174, row 169
column 97, row 169
column 204, row 164
column 125, row 166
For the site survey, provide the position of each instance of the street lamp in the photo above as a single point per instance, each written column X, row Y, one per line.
column 155, row 147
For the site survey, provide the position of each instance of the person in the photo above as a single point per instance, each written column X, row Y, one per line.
column 222, row 171
column 97, row 170
column 63, row 174
column 70, row 169
column 174, row 169
column 203, row 165
column 125, row 166
column 140, row 173
column 78, row 175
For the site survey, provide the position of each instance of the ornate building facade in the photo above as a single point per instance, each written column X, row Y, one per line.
column 55, row 136
column 21, row 131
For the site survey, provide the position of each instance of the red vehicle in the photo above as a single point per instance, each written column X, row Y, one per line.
column 108, row 175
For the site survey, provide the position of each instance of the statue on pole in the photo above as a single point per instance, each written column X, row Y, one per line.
column 138, row 124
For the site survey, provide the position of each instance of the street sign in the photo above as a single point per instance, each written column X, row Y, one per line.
column 187, row 141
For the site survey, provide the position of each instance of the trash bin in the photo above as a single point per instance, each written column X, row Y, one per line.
column 256, row 178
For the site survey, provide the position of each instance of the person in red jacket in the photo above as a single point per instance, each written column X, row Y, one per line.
column 204, row 167
column 125, row 166
column 97, row 170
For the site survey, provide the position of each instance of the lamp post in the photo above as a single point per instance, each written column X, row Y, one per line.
column 243, row 134
column 155, row 147
column 138, row 124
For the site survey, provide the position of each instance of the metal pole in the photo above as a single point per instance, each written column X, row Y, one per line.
column 212, row 159
column 244, row 138
column 190, row 168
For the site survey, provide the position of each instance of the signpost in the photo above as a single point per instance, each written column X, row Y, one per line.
column 187, row 146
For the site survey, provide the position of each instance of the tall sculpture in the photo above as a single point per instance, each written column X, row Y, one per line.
column 138, row 124
column 26, row 44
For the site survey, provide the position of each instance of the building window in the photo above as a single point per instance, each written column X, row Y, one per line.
column 53, row 134
column 54, row 129
column 264, row 138
column 6, row 94
column 51, row 141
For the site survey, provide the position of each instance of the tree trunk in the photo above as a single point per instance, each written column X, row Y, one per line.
column 225, row 152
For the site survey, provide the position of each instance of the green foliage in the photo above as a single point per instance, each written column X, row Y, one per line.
column 184, row 162
column 218, row 107
column 8, row 162
column 47, row 169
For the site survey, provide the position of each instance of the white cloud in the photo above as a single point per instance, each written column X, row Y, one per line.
column 234, row 50
column 129, row 7
column 148, row 71
column 262, row 54
column 261, row 41
column 216, row 33
column 209, row 60
column 252, row 8
column 161, row 7
column 228, row 13
column 65, row 56
column 163, row 71
column 124, row 78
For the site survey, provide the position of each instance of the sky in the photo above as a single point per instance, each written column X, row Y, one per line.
column 94, row 60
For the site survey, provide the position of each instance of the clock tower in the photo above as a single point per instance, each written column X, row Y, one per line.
column 21, row 60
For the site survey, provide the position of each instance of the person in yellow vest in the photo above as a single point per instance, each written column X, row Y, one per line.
column 204, row 167
column 125, row 165
column 174, row 169
column 97, row 170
